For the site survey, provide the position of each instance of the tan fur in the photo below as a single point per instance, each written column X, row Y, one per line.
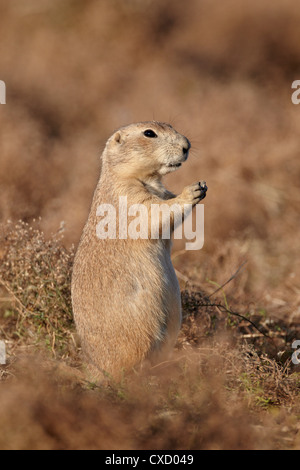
column 125, row 294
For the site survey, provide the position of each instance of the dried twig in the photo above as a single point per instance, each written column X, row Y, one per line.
column 222, row 307
column 181, row 276
column 21, row 309
column 230, row 279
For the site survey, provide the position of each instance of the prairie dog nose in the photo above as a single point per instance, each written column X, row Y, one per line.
column 186, row 147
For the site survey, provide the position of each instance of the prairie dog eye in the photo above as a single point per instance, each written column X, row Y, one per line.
column 150, row 133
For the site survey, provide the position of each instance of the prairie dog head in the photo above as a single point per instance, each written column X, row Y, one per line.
column 145, row 150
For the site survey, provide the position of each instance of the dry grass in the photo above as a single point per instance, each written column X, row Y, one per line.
column 221, row 74
column 35, row 277
column 219, row 385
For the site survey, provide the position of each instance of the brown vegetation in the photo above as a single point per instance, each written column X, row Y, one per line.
column 222, row 75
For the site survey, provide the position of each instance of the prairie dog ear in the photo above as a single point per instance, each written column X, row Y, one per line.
column 118, row 138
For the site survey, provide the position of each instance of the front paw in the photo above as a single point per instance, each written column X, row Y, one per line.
column 194, row 193
column 203, row 188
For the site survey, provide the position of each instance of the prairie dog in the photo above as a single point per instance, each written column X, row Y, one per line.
column 125, row 293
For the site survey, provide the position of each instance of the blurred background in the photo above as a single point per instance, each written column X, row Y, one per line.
column 219, row 72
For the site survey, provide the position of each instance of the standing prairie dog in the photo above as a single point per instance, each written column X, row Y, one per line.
column 125, row 293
